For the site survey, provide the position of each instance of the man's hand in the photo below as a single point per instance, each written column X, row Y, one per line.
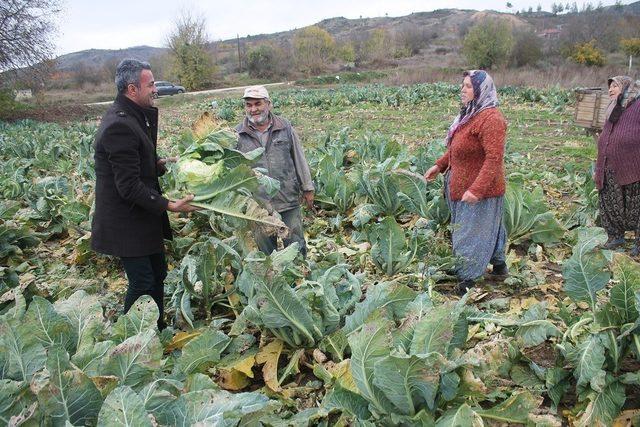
column 470, row 198
column 162, row 164
column 307, row 196
column 164, row 160
column 182, row 205
column 431, row 174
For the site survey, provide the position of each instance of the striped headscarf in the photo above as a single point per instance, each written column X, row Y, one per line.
column 629, row 92
column 484, row 96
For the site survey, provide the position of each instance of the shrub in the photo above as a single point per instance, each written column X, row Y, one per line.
column 631, row 46
column 314, row 48
column 262, row 62
column 527, row 49
column 378, row 46
column 488, row 43
column 8, row 105
column 588, row 54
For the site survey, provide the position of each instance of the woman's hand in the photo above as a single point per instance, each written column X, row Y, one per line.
column 431, row 174
column 470, row 198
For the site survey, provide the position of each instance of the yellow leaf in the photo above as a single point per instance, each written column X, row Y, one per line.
column 234, row 298
column 233, row 380
column 105, row 383
column 269, row 355
column 473, row 383
column 245, row 365
column 473, row 330
column 180, row 339
column 626, row 418
column 204, row 125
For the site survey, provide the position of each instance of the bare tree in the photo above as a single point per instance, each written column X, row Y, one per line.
column 26, row 31
column 188, row 43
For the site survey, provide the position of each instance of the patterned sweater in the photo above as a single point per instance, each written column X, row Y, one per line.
column 619, row 148
column 476, row 156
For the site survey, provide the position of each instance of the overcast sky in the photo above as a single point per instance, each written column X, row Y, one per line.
column 120, row 24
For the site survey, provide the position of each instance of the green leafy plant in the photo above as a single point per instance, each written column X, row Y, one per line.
column 205, row 270
column 391, row 251
column 221, row 178
column 527, row 216
column 300, row 316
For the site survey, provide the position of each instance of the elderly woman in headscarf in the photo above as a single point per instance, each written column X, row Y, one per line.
column 473, row 166
column 617, row 172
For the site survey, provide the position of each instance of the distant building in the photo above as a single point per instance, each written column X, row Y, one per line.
column 549, row 33
column 22, row 94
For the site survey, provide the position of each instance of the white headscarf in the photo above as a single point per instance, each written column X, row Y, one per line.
column 484, row 96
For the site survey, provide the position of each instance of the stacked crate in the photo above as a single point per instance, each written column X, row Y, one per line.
column 591, row 107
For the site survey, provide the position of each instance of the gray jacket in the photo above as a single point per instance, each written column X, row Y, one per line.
column 283, row 158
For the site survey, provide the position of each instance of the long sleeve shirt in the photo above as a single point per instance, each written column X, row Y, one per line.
column 475, row 156
column 619, row 148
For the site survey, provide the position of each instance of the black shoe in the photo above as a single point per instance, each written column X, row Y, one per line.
column 464, row 286
column 613, row 243
column 635, row 251
column 500, row 269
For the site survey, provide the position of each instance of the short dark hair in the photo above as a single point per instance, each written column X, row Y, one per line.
column 128, row 72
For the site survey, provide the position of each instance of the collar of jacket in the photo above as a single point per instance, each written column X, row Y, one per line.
column 277, row 124
column 142, row 115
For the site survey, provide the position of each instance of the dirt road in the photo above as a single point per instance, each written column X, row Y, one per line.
column 207, row 92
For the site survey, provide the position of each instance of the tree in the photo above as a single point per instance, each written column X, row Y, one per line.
column 410, row 38
column 527, row 48
column 314, row 48
column 26, row 31
column 632, row 48
column 618, row 6
column 263, row 62
column 606, row 28
column 488, row 43
column 378, row 46
column 191, row 62
column 347, row 53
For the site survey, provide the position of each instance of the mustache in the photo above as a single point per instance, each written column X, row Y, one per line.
column 260, row 119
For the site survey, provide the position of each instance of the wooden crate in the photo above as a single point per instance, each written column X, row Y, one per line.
column 591, row 107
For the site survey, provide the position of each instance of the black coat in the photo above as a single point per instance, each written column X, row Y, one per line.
column 130, row 214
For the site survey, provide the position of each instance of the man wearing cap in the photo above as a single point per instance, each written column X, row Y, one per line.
column 283, row 159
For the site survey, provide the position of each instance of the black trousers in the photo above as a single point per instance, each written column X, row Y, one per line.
column 146, row 276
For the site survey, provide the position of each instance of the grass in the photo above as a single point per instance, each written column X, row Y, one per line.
column 548, row 137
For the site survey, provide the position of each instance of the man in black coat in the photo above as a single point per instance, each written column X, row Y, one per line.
column 130, row 219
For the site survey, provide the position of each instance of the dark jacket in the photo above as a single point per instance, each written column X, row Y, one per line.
column 283, row 159
column 619, row 148
column 130, row 216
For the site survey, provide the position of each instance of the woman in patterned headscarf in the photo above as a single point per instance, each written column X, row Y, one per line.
column 617, row 173
column 474, row 180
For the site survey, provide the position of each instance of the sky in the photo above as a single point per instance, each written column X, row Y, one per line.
column 119, row 24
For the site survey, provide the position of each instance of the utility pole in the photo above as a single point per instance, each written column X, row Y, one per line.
column 239, row 57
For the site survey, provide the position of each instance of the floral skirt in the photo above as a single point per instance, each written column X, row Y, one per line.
column 478, row 234
column 619, row 207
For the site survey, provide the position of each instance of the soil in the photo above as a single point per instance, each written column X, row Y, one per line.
column 543, row 355
column 64, row 113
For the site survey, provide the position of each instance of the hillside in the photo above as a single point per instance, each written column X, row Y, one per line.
column 99, row 57
column 440, row 33
column 442, row 27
